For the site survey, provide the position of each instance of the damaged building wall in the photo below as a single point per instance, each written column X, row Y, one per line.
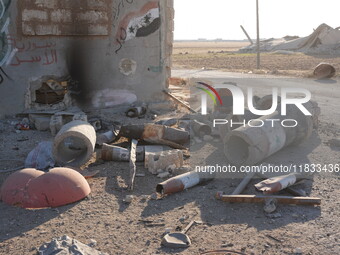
column 120, row 48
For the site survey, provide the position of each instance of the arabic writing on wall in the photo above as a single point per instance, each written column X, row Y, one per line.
column 44, row 53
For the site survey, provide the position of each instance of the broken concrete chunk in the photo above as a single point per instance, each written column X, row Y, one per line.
column 58, row 120
column 163, row 175
column 162, row 160
column 270, row 206
column 56, row 123
column 135, row 112
column 40, row 122
column 41, row 157
column 67, row 246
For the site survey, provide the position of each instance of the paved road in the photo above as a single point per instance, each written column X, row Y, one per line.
column 326, row 93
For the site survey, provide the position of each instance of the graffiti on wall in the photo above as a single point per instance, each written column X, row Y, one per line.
column 139, row 23
column 6, row 51
column 119, row 6
column 44, row 53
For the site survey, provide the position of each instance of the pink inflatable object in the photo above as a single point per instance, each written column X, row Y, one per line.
column 31, row 188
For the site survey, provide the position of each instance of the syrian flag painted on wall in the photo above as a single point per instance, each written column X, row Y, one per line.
column 141, row 23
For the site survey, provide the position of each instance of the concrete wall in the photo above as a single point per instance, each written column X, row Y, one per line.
column 116, row 44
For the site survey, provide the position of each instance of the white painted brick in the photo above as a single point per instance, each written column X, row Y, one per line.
column 92, row 16
column 46, row 3
column 97, row 4
column 47, row 30
column 61, row 16
column 98, row 30
column 171, row 25
column 29, row 15
column 27, row 29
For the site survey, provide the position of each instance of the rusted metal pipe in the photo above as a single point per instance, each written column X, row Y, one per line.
column 116, row 153
column 156, row 134
column 261, row 199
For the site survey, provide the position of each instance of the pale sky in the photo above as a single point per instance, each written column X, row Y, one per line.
column 213, row 19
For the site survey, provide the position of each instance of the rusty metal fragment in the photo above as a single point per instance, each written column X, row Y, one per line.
column 261, row 199
column 132, row 163
column 156, row 134
column 276, row 184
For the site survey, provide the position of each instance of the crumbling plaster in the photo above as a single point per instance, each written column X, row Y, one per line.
column 88, row 40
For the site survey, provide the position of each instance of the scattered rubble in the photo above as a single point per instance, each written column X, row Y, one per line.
column 68, row 246
column 162, row 160
column 136, row 112
column 75, row 142
column 324, row 39
column 41, row 157
column 270, row 206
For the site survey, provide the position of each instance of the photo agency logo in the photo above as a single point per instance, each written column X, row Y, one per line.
column 279, row 98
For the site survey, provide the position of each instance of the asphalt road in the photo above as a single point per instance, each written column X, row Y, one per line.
column 325, row 92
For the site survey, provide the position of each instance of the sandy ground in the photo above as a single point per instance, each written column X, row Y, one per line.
column 137, row 228
column 224, row 56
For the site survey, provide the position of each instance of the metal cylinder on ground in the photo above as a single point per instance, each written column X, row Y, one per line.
column 74, row 143
column 154, row 133
column 116, row 153
column 182, row 182
column 201, row 129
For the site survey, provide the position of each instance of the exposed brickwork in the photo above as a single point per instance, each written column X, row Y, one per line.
column 64, row 17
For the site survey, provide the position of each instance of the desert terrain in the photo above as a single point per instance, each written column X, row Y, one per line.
column 224, row 56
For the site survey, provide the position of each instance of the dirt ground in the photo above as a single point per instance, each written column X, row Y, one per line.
column 137, row 228
column 224, row 56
